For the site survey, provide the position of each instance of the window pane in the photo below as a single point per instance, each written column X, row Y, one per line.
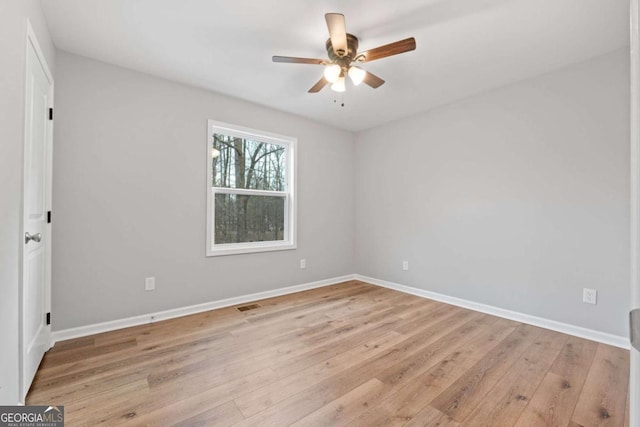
column 243, row 163
column 243, row 218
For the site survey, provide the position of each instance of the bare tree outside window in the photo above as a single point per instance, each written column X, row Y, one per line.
column 253, row 165
column 251, row 196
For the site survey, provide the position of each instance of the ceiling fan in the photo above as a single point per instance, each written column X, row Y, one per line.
column 342, row 49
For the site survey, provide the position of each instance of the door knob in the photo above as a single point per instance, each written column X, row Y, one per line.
column 28, row 237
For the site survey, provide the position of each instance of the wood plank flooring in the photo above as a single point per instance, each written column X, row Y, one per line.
column 348, row 354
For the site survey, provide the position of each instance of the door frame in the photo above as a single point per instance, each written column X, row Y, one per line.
column 634, row 373
column 32, row 43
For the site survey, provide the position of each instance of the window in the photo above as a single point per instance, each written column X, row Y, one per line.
column 250, row 190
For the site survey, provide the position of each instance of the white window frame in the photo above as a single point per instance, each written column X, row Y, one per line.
column 289, row 242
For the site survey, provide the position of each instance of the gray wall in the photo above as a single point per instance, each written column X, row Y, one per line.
column 517, row 198
column 13, row 30
column 129, row 197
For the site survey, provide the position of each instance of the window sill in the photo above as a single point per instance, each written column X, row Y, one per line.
column 238, row 249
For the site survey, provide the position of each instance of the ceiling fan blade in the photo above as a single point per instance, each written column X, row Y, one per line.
column 373, row 80
column 294, row 60
column 318, row 86
column 390, row 49
column 337, row 33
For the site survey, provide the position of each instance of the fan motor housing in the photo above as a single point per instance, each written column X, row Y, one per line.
column 349, row 56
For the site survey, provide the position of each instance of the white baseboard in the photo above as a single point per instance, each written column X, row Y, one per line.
column 578, row 331
column 83, row 331
column 590, row 334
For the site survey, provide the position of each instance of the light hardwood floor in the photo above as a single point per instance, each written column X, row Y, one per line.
column 348, row 354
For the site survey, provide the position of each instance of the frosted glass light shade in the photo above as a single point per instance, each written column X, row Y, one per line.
column 332, row 72
column 338, row 86
column 357, row 75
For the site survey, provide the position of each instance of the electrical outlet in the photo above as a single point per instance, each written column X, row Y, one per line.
column 149, row 283
column 589, row 296
column 303, row 263
column 405, row 265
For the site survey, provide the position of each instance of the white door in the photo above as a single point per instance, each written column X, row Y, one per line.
column 36, row 281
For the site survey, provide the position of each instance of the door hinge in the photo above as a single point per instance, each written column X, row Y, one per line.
column 50, row 113
column 49, row 318
column 48, row 217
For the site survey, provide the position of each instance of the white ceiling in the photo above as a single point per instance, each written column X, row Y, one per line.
column 463, row 46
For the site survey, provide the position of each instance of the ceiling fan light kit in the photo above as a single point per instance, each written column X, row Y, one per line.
column 332, row 72
column 342, row 49
column 357, row 75
column 339, row 85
